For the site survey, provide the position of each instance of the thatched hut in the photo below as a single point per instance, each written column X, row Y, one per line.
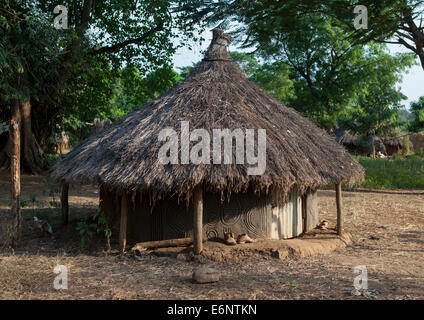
column 417, row 142
column 356, row 144
column 164, row 201
column 389, row 144
column 394, row 142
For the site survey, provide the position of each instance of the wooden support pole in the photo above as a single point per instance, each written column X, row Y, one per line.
column 198, row 219
column 65, row 203
column 304, row 214
column 123, row 226
column 339, row 208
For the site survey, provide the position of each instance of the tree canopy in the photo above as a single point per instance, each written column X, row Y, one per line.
column 417, row 110
column 60, row 70
column 256, row 22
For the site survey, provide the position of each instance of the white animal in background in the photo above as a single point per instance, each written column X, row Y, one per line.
column 323, row 225
column 43, row 225
column 380, row 155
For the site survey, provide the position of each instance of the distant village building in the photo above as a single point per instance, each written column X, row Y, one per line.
column 387, row 145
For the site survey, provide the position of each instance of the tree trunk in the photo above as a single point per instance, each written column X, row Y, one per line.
column 421, row 56
column 14, row 133
column 31, row 154
column 32, row 161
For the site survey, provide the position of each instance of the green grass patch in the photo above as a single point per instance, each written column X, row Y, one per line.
column 398, row 173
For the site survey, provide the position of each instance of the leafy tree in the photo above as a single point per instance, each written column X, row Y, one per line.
column 44, row 72
column 417, row 109
column 377, row 109
column 38, row 62
column 103, row 93
column 274, row 77
column 389, row 21
column 330, row 63
column 396, row 22
column 329, row 72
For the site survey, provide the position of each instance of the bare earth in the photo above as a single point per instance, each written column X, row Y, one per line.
column 387, row 229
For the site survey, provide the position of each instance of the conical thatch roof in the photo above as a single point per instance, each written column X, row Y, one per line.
column 215, row 95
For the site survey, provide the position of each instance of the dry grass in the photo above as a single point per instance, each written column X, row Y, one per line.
column 395, row 261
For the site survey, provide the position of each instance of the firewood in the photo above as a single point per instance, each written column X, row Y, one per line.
column 182, row 242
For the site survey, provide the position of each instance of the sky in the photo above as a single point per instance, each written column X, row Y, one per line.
column 412, row 85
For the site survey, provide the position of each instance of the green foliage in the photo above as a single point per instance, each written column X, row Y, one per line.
column 376, row 110
column 334, row 67
column 52, row 189
column 7, row 238
column 70, row 75
column 331, row 74
column 274, row 77
column 400, row 173
column 89, row 226
column 184, row 71
column 259, row 22
column 107, row 94
column 86, row 229
column 420, row 152
column 28, row 44
column 292, row 284
column 417, row 110
column 52, row 158
column 134, row 90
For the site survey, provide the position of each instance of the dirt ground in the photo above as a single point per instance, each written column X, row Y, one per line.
column 386, row 227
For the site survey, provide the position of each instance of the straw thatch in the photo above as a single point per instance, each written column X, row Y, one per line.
column 216, row 94
column 357, row 144
column 394, row 142
column 389, row 144
column 417, row 142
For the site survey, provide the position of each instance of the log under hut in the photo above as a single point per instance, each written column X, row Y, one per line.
column 156, row 201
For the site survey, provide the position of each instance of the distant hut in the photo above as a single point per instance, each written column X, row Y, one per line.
column 356, row 144
column 394, row 142
column 156, row 201
column 417, row 142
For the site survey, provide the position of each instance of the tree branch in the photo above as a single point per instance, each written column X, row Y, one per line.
column 119, row 46
column 407, row 45
column 404, row 35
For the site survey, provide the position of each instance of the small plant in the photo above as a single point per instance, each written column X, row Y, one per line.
column 8, row 238
column 87, row 230
column 103, row 227
column 92, row 225
column 52, row 159
column 52, row 189
column 33, row 200
column 292, row 284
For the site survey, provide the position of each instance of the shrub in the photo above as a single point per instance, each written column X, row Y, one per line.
column 399, row 173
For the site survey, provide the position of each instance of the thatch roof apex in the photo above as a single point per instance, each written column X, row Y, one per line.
column 215, row 95
column 218, row 48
